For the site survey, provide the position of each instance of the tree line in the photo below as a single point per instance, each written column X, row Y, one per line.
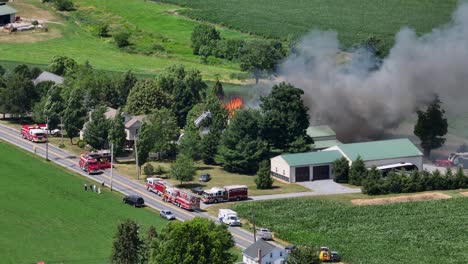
column 197, row 241
column 373, row 182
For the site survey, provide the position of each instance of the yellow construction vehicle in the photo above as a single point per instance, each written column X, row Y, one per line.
column 324, row 254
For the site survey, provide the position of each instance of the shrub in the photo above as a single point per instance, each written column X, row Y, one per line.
column 263, row 179
column 149, row 169
column 341, row 170
column 103, row 31
column 61, row 145
column 122, row 39
column 64, row 5
column 159, row 170
column 357, row 172
column 81, row 144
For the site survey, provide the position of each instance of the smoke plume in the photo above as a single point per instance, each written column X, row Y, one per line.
column 360, row 101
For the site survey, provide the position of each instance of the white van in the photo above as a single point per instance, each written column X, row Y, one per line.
column 228, row 217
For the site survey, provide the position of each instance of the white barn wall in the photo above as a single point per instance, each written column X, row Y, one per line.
column 280, row 166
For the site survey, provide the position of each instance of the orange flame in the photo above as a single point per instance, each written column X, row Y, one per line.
column 233, row 105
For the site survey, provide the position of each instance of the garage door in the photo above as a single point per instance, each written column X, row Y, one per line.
column 302, row 174
column 322, row 172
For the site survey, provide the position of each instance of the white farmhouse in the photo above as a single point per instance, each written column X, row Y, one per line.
column 262, row 252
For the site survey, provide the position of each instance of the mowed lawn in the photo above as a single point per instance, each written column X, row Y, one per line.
column 354, row 20
column 45, row 215
column 415, row 232
column 70, row 35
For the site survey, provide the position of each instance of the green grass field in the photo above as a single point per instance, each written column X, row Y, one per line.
column 154, row 22
column 354, row 20
column 416, row 232
column 46, row 215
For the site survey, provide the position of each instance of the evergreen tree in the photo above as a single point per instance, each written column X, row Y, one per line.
column 117, row 135
column 151, row 236
column 264, row 179
column 431, row 126
column 198, row 241
column 190, row 144
column 242, row 148
column 216, row 125
column 218, row 90
column 54, row 106
column 74, row 115
column 285, row 117
column 357, row 171
column 461, row 181
column 145, row 142
column 372, row 183
column 163, row 124
column 127, row 244
column 96, row 133
column 341, row 170
column 124, row 86
column 183, row 169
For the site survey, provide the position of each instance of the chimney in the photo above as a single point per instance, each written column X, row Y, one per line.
column 259, row 256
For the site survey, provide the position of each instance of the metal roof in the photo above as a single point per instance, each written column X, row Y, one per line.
column 320, row 131
column 309, row 158
column 7, row 10
column 321, row 144
column 377, row 150
column 46, row 76
column 252, row 250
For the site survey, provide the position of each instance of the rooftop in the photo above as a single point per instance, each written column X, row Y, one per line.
column 321, row 144
column 47, row 76
column 308, row 158
column 384, row 149
column 320, row 131
column 252, row 250
column 133, row 121
column 7, row 10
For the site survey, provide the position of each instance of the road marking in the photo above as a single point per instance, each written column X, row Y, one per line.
column 104, row 175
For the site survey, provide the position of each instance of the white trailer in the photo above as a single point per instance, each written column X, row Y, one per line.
column 228, row 217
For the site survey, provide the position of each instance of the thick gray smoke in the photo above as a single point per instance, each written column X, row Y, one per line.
column 360, row 102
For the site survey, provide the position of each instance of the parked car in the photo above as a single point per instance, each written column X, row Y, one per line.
column 135, row 200
column 198, row 190
column 204, row 178
column 335, row 257
column 167, row 214
column 264, row 234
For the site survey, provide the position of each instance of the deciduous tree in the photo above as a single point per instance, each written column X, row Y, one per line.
column 183, row 169
column 117, row 135
column 198, row 241
column 62, row 65
column 204, row 35
column 96, row 133
column 147, row 96
column 54, row 106
column 285, row 117
column 260, row 56
column 303, row 255
column 431, row 126
column 74, row 115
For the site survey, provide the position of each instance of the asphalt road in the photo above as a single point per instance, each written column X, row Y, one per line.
column 120, row 183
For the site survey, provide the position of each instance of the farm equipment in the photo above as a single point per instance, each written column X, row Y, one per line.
column 325, row 255
column 34, row 133
column 225, row 194
column 181, row 199
column 459, row 159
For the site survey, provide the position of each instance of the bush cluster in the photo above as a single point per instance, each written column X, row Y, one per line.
column 62, row 5
column 394, row 182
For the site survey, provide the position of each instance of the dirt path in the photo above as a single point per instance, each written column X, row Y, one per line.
column 402, row 199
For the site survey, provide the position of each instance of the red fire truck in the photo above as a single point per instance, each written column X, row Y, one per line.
column 103, row 157
column 225, row 194
column 156, row 185
column 89, row 164
column 34, row 133
column 181, row 199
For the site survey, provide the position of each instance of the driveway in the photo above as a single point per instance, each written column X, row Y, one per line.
column 328, row 187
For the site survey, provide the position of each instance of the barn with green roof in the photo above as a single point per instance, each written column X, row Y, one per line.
column 319, row 165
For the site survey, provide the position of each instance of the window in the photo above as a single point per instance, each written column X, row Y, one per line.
column 276, row 169
column 284, row 173
column 271, row 255
column 281, row 254
column 268, row 262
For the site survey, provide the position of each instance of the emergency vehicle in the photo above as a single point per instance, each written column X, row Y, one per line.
column 89, row 164
column 34, row 133
column 181, row 199
column 225, row 194
column 156, row 185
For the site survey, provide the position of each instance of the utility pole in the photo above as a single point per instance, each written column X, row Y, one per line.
column 136, row 158
column 61, row 128
column 112, row 164
column 47, row 139
column 254, row 229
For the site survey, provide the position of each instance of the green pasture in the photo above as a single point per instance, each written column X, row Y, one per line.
column 47, row 216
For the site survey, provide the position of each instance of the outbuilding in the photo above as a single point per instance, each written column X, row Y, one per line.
column 323, row 136
column 7, row 14
column 319, row 165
